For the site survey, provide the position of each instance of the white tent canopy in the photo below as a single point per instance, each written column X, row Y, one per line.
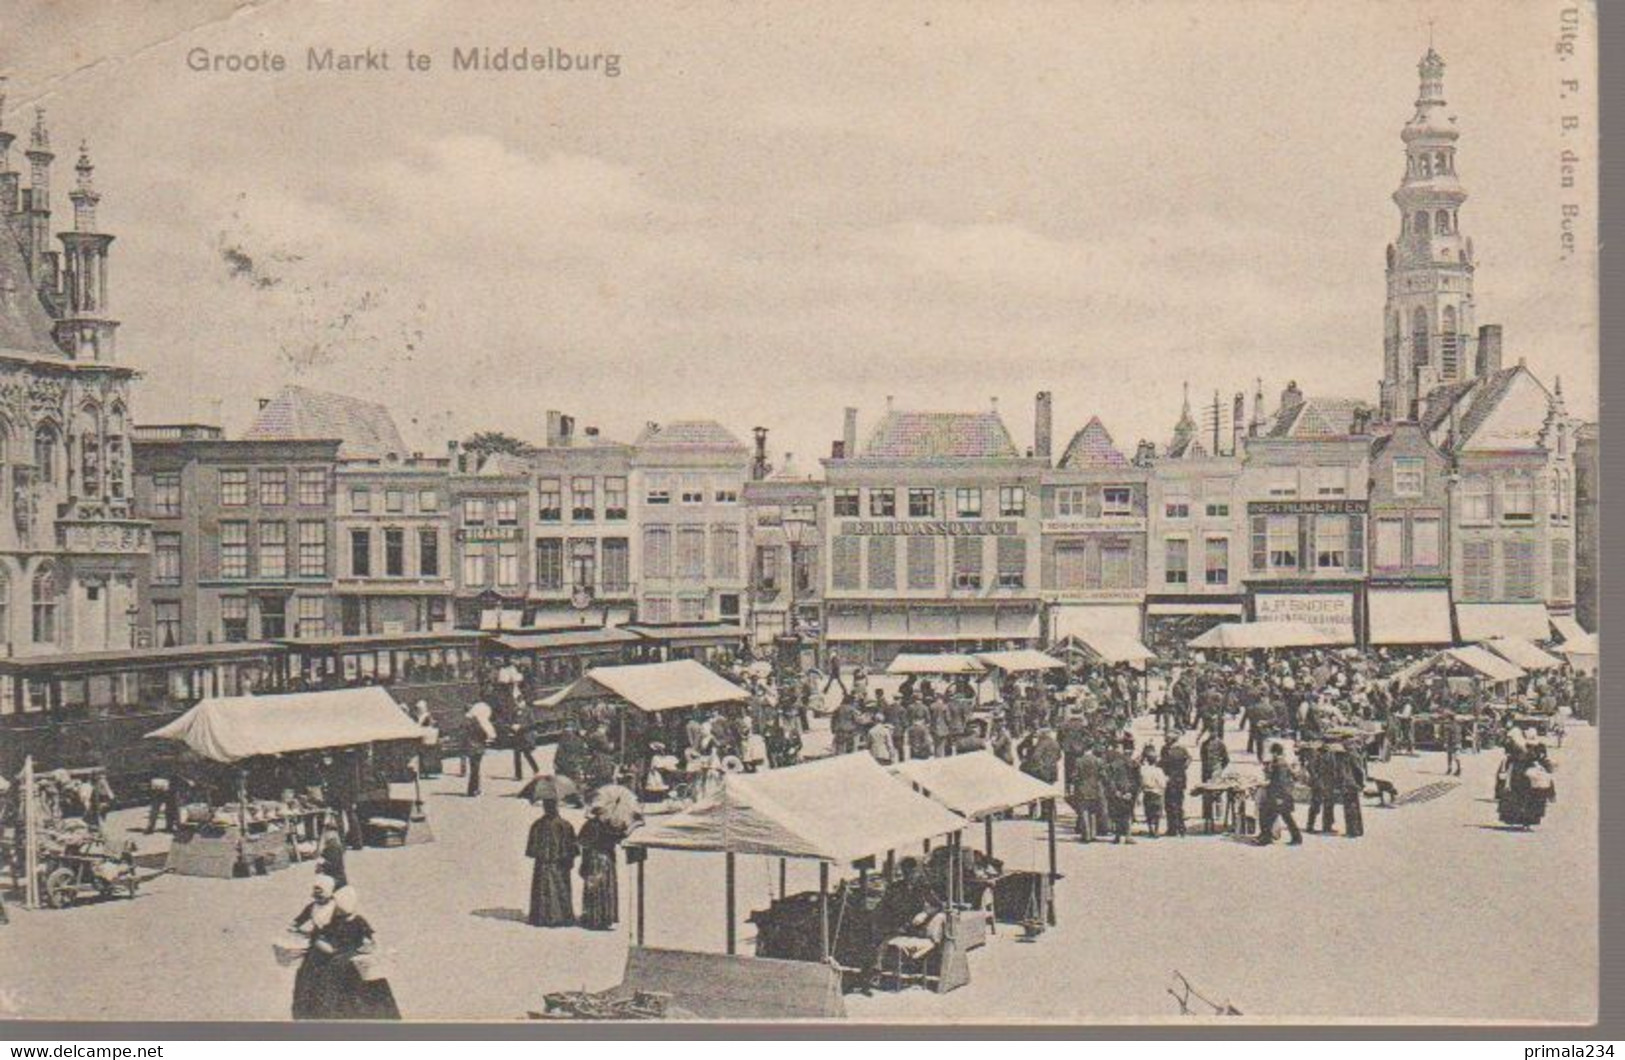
column 1023, row 660
column 934, row 664
column 1484, row 621
column 232, row 728
column 1244, row 636
column 839, row 809
column 654, row 687
column 1520, row 652
column 1110, row 647
column 1410, row 616
column 1473, row 657
column 974, row 785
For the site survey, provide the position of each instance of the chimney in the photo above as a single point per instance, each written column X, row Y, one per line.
column 837, row 450
column 264, row 402
column 1145, row 453
column 849, row 433
column 1043, row 425
column 454, row 455
column 1291, row 397
column 1257, row 427
column 759, row 466
column 1489, row 349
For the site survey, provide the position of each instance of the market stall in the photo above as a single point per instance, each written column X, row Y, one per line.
column 1523, row 654
column 1261, row 636
column 841, row 812
column 59, row 854
column 1466, row 669
column 357, row 740
column 983, row 787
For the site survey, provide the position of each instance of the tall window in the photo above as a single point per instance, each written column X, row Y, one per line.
column 508, row 564
column 474, row 511
column 550, row 564
column 1331, row 542
column 166, row 559
column 1419, row 326
column 273, row 617
column 724, row 552
column 1518, row 500
column 1216, row 561
column 690, row 552
column 922, row 562
column 166, row 623
column 507, row 511
column 360, row 553
column 312, row 550
column 767, row 568
column 1011, row 556
column 691, row 608
column 233, row 618
column 657, row 609
column 1390, row 544
column 657, row 551
column 113, row 444
column 47, row 592
column 1560, row 571
column 233, row 550
column 312, row 616
column 1426, row 545
column 615, row 498
column 883, row 562
column 313, row 486
column 273, row 485
column 583, row 499
column 922, row 504
column 394, row 552
column 617, row 564
column 1116, row 565
column 166, row 495
column 846, row 504
column 428, row 553
column 45, row 449
column 1409, row 476
column 1283, row 541
column 273, row 550
column 233, row 487
column 1449, row 341
column 883, row 503
column 1518, row 568
column 90, row 462
column 967, row 555
column 968, row 502
column 846, row 561
column 1478, row 569
column 583, row 563
column 474, row 565
column 549, row 502
column 1476, row 494
column 1176, row 561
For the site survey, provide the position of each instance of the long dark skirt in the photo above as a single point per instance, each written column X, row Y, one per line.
column 550, row 902
column 1519, row 804
column 600, row 899
column 315, row 987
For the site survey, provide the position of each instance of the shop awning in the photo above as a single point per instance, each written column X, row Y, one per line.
column 839, row 809
column 232, row 728
column 699, row 634
column 654, row 687
column 1486, row 664
column 1573, row 633
column 1410, row 616
column 1244, row 636
column 1020, row 661
column 1194, row 607
column 934, row 664
column 589, row 637
column 974, row 785
column 1109, row 648
column 1520, row 652
column 1584, row 644
column 1484, row 621
column 1081, row 620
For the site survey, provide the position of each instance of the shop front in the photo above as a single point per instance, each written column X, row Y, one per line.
column 1334, row 608
column 1399, row 615
column 872, row 634
column 1172, row 621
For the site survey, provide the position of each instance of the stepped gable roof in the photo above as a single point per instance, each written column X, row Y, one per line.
column 1092, row 447
column 688, row 434
column 25, row 326
column 940, row 435
column 364, row 429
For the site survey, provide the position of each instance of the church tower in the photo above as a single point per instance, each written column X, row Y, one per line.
column 1428, row 320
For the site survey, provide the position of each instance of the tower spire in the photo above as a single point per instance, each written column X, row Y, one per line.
column 84, row 331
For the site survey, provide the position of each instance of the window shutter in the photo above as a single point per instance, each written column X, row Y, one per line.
column 1356, row 556
column 1261, row 542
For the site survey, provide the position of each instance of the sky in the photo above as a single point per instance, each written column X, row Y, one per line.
column 777, row 210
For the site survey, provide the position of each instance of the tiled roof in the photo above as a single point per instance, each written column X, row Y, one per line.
column 939, row 435
column 1316, row 418
column 1492, row 388
column 1440, row 400
column 365, row 429
column 25, row 327
column 1092, row 447
column 689, row 434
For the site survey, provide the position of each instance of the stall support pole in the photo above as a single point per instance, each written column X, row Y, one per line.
column 30, row 837
column 784, row 878
column 640, row 901
column 988, row 825
column 1049, row 821
column 732, row 945
column 823, row 908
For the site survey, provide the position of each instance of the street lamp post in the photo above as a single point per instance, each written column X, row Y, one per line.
column 796, row 527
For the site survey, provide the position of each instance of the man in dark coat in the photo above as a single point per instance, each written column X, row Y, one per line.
column 1088, row 794
column 1276, row 802
column 1176, row 763
column 1347, row 785
column 1121, row 777
column 552, row 846
column 522, row 733
column 843, row 725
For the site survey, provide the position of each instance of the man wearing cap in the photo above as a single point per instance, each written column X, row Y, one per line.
column 1348, row 784
column 1276, row 802
column 1215, row 758
column 1176, row 765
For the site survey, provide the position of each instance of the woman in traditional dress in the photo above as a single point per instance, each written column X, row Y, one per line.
column 361, row 992
column 1525, row 785
column 312, row 991
column 600, row 891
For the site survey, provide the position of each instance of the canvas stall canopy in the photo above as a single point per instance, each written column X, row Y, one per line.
column 1020, row 661
column 948, row 664
column 1485, row 664
column 839, row 810
column 654, row 687
column 1410, row 616
column 1479, row 622
column 975, row 785
column 233, row 728
column 1246, row 636
column 1520, row 652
